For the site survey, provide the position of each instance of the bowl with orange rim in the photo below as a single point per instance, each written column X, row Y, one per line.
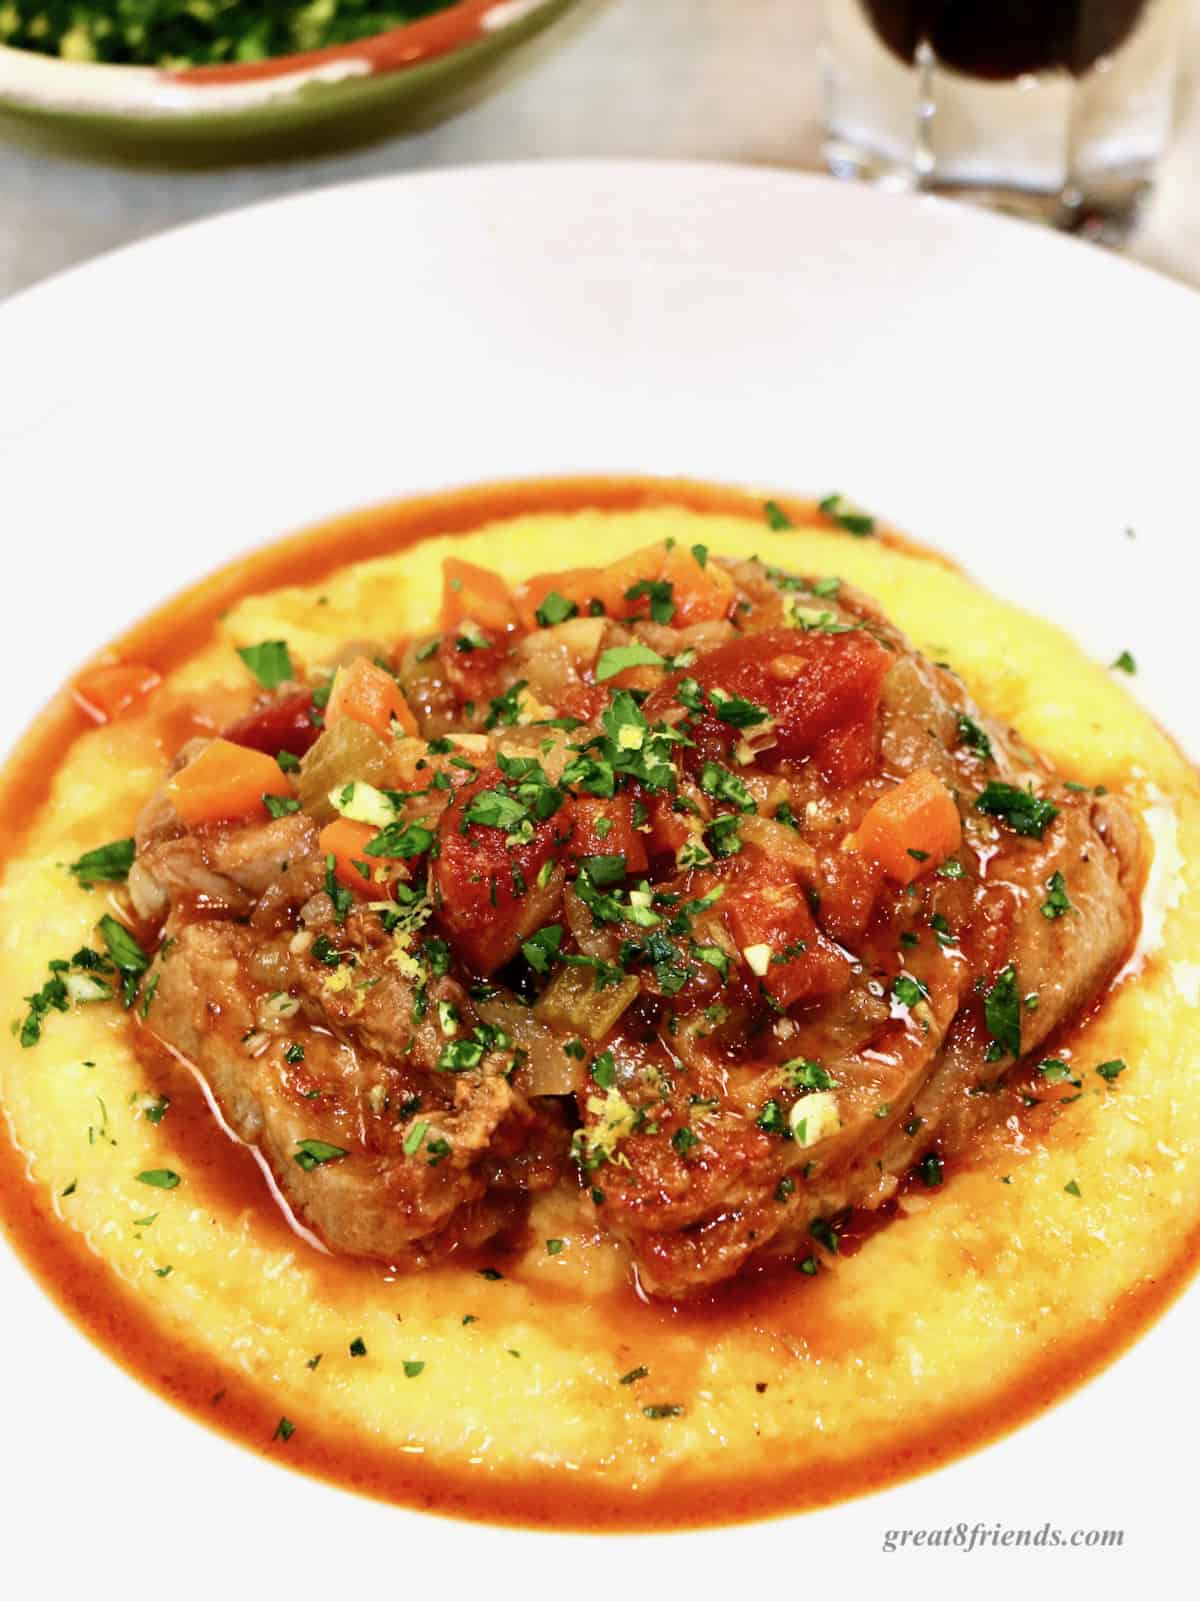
column 386, row 81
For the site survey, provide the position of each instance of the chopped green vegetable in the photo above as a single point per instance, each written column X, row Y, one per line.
column 973, row 737
column 1002, row 1015
column 159, row 1178
column 1056, row 902
column 311, row 1153
column 847, row 516
column 659, row 592
column 269, row 662
column 1019, row 809
column 616, row 659
column 107, row 864
column 555, row 608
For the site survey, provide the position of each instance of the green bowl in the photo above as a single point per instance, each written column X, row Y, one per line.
column 281, row 106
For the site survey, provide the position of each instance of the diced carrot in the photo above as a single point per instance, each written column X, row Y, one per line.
column 226, row 784
column 579, row 585
column 105, row 692
column 474, row 594
column 912, row 829
column 345, row 840
column 699, row 594
column 368, row 694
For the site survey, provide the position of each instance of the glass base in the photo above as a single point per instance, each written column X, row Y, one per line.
column 1106, row 212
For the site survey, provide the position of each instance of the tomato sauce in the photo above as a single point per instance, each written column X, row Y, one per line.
column 774, row 1298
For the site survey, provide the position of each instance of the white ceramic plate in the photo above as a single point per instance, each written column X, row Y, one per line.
column 1016, row 399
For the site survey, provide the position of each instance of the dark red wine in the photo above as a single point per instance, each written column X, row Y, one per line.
column 1005, row 38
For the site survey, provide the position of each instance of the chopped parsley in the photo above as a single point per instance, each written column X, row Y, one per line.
column 159, row 1178
column 931, row 1170
column 555, row 608
column 311, row 1153
column 1002, row 1015
column 776, row 517
column 1056, row 902
column 618, row 657
column 413, row 1370
column 342, row 898
column 735, row 711
column 1111, row 1070
column 400, row 839
column 909, row 991
column 660, row 594
column 1019, row 809
column 540, row 949
column 721, row 784
column 847, row 516
column 108, row 864
column 1125, row 664
column 269, row 662
column 973, row 737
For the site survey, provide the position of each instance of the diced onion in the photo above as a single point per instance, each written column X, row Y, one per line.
column 572, row 1001
column 363, row 803
column 814, row 1117
column 347, row 753
column 779, row 842
column 547, row 1069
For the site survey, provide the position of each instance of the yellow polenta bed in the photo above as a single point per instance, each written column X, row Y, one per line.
column 601, row 1004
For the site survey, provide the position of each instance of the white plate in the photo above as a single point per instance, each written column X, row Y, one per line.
column 1005, row 394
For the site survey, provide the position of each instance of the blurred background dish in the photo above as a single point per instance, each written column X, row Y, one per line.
column 224, row 95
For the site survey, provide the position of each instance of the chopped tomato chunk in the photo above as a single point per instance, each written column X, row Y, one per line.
column 769, row 917
column 668, row 831
column 105, row 692
column 821, row 692
column 912, row 829
column 486, row 891
column 368, row 694
column 605, row 828
column 226, row 783
column 285, row 723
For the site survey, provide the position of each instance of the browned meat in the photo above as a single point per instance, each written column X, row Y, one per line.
column 376, row 1151
column 663, row 935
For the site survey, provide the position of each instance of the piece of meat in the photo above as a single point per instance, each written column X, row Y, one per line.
column 408, row 1161
column 791, row 1030
column 694, row 1207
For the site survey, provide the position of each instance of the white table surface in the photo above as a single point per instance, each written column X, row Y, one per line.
column 730, row 80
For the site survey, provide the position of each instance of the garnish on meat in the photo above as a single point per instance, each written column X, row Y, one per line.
column 684, row 882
